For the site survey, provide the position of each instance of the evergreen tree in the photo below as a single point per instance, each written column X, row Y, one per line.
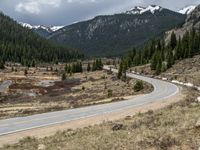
column 120, row 71
column 33, row 63
column 154, row 62
column 170, row 60
column 2, row 65
column 66, row 68
column 88, row 67
column 158, row 66
column 25, row 72
column 94, row 67
column 64, row 76
column 173, row 41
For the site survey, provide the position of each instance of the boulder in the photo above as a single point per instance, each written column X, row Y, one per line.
column 117, row 127
column 198, row 99
column 41, row 147
column 198, row 124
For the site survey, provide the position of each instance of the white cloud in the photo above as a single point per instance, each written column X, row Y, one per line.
column 34, row 6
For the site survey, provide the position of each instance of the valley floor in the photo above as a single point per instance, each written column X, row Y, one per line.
column 42, row 91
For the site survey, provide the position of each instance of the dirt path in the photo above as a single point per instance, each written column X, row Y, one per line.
column 51, row 130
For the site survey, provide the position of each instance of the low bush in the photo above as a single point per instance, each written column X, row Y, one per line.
column 138, row 86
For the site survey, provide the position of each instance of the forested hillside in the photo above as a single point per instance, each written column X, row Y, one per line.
column 18, row 44
column 113, row 35
column 161, row 55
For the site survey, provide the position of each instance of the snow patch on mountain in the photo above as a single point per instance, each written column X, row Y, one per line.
column 56, row 28
column 187, row 10
column 49, row 29
column 141, row 10
column 26, row 25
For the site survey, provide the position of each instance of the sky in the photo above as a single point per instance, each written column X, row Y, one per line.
column 65, row 12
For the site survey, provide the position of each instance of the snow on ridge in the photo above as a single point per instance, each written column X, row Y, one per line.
column 187, row 10
column 55, row 28
column 152, row 9
column 141, row 10
column 26, row 25
column 49, row 29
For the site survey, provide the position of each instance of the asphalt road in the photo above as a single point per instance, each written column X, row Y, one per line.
column 162, row 90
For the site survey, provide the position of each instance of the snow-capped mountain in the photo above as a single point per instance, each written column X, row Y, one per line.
column 50, row 28
column 118, row 32
column 40, row 29
column 187, row 10
column 141, row 10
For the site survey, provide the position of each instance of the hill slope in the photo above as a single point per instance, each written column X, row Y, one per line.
column 113, row 35
column 192, row 21
column 20, row 44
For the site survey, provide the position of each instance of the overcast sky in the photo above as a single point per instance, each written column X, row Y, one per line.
column 64, row 12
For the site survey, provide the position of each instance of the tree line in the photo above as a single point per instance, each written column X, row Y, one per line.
column 77, row 67
column 18, row 44
column 162, row 55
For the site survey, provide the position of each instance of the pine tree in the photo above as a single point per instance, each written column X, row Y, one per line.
column 158, row 66
column 170, row 60
column 25, row 72
column 2, row 65
column 119, row 75
column 33, row 63
column 66, row 68
column 164, row 67
column 173, row 41
column 88, row 67
column 64, row 76
column 94, row 66
column 154, row 62
column 80, row 67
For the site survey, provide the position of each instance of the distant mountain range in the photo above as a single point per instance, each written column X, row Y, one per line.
column 113, row 35
column 42, row 30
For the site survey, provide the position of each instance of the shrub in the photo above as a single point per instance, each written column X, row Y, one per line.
column 63, row 76
column 110, row 93
column 83, row 88
column 138, row 86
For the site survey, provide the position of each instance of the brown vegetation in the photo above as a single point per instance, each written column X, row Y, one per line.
column 43, row 91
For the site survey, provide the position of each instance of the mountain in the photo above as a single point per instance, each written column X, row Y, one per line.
column 192, row 21
column 187, row 9
column 43, row 31
column 113, row 35
column 19, row 44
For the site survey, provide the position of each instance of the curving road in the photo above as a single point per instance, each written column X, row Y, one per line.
column 162, row 90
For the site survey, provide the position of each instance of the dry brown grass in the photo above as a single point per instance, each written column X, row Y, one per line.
column 79, row 90
column 170, row 128
column 187, row 70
